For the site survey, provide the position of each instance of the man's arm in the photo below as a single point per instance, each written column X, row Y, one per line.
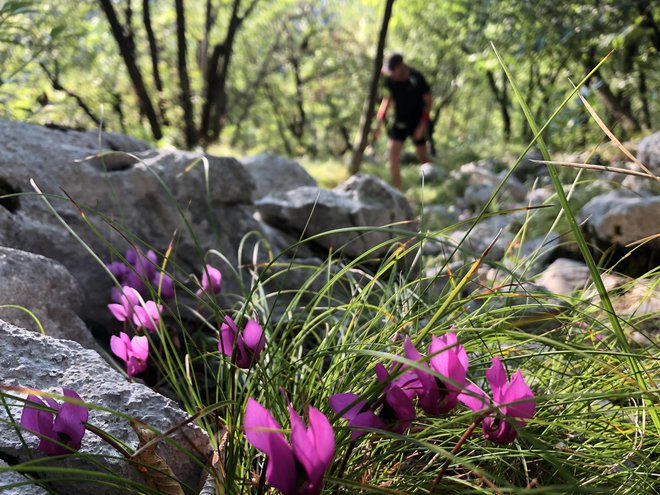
column 380, row 116
column 426, row 115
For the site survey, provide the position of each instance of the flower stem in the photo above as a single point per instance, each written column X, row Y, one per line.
column 455, row 450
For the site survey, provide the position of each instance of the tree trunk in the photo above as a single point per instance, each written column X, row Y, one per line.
column 214, row 110
column 643, row 96
column 502, row 98
column 297, row 125
column 184, row 81
column 615, row 106
column 153, row 52
column 278, row 119
column 125, row 44
column 369, row 109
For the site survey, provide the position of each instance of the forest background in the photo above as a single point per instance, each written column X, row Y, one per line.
column 293, row 76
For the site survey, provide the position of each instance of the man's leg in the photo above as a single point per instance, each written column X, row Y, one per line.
column 395, row 157
column 422, row 153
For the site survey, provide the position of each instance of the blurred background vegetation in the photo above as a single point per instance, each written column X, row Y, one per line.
column 292, row 76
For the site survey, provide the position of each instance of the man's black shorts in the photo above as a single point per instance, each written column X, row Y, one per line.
column 401, row 130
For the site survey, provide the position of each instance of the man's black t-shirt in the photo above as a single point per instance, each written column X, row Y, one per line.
column 407, row 96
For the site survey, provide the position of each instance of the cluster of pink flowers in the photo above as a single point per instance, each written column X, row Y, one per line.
column 511, row 404
column 130, row 305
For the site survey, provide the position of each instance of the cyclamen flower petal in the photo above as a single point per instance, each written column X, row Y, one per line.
column 357, row 413
column 133, row 352
column 166, row 285
column 147, row 315
column 244, row 349
column 129, row 300
column 118, row 270
column 448, row 359
column 298, row 467
column 211, row 281
column 58, row 430
column 513, row 400
column 395, row 411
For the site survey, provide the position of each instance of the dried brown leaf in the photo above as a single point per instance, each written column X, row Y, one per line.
column 152, row 466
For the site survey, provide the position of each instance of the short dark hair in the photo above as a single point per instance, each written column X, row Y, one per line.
column 393, row 61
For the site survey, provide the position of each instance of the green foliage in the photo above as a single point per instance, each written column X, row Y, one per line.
column 300, row 69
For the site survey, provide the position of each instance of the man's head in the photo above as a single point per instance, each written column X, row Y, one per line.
column 395, row 68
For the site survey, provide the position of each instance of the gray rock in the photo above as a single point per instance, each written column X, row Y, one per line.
column 564, row 276
column 438, row 216
column 483, row 234
column 528, row 307
column 477, row 195
column 138, row 197
column 273, row 174
column 31, row 360
column 481, row 182
column 648, row 152
column 428, row 172
column 613, row 218
column 528, row 169
column 47, row 289
column 13, row 483
column 361, row 201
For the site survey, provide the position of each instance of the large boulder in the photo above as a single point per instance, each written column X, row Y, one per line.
column 45, row 288
column 273, row 174
column 481, row 181
column 564, row 276
column 147, row 196
column 648, row 152
column 13, row 483
column 617, row 219
column 361, row 201
column 31, row 360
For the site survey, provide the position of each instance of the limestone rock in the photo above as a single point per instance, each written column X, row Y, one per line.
column 613, row 218
column 648, row 152
column 139, row 198
column 272, row 174
column 428, row 172
column 46, row 288
column 361, row 201
column 564, row 276
column 13, row 483
column 31, row 360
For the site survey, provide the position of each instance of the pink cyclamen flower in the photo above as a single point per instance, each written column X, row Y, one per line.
column 60, row 432
column 296, row 467
column 147, row 315
column 166, row 285
column 133, row 352
column 142, row 270
column 513, row 400
column 132, row 307
column 245, row 348
column 394, row 411
column 211, row 281
column 448, row 359
column 129, row 299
